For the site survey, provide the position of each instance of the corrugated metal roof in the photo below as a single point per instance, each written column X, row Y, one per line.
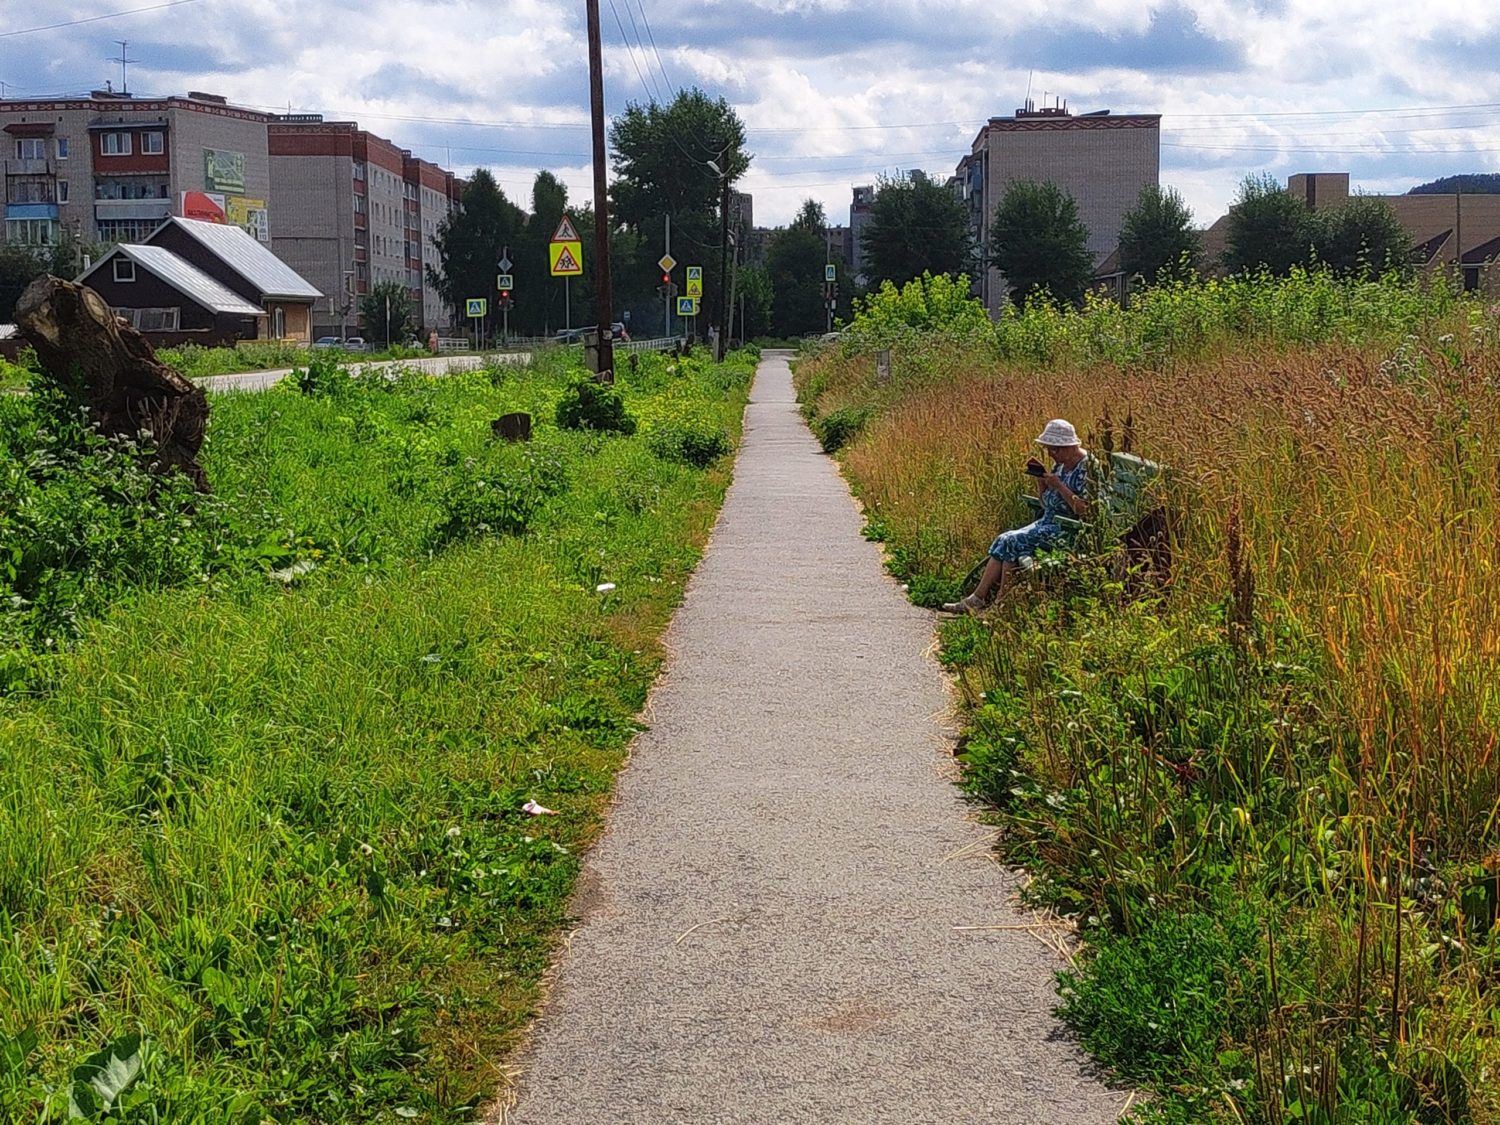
column 251, row 260
column 182, row 276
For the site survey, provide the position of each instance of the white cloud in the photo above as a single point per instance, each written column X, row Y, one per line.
column 821, row 83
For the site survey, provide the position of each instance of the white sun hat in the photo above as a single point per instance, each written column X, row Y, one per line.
column 1059, row 431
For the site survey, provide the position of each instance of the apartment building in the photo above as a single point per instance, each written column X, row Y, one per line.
column 353, row 211
column 1101, row 159
column 111, row 167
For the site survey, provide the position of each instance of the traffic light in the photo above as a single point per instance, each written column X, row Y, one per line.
column 666, row 278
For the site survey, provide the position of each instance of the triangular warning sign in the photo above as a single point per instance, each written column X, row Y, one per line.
column 566, row 263
column 566, row 232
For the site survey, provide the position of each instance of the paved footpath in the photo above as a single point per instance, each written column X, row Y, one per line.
column 773, row 924
column 428, row 365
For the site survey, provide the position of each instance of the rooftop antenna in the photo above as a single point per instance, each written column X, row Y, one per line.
column 123, row 60
column 1030, row 78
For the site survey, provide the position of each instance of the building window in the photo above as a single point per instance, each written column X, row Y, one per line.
column 31, row 148
column 62, row 191
column 124, row 269
column 115, row 144
column 30, row 232
column 278, row 323
column 153, row 144
column 157, row 320
column 126, row 230
column 62, row 148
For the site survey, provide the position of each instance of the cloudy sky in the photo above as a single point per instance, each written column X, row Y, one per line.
column 833, row 92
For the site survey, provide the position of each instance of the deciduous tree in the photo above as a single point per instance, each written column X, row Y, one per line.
column 1157, row 239
column 470, row 241
column 387, row 312
column 794, row 263
column 1362, row 238
column 1039, row 244
column 916, row 226
column 1269, row 229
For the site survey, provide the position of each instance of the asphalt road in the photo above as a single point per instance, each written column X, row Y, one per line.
column 791, row 916
column 432, row 365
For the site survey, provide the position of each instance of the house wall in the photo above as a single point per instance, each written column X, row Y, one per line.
column 149, row 292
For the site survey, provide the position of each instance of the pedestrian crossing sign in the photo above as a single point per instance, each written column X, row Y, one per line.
column 477, row 307
column 566, row 258
column 695, row 281
column 687, row 306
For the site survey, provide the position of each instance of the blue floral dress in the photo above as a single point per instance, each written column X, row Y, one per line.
column 1012, row 546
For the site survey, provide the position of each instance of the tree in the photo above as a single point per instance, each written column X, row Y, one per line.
column 470, row 241
column 794, row 263
column 387, row 313
column 21, row 265
column 756, row 298
column 1362, row 238
column 1157, row 237
column 1269, row 229
column 1038, row 243
column 661, row 156
column 916, row 226
column 538, row 296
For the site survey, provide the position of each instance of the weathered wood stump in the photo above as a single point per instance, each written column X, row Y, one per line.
column 512, row 427
column 108, row 366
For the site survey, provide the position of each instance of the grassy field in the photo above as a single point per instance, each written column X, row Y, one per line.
column 264, row 755
column 1269, row 794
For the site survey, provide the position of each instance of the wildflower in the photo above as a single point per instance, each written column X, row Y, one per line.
column 365, row 849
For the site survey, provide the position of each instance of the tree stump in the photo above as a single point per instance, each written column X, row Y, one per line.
column 512, row 427
column 107, row 366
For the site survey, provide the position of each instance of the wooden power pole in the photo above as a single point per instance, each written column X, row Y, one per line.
column 604, row 298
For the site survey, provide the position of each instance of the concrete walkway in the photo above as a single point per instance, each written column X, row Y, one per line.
column 428, row 365
column 774, row 923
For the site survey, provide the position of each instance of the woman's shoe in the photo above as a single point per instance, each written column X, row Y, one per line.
column 970, row 604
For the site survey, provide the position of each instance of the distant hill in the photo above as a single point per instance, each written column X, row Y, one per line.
column 1474, row 183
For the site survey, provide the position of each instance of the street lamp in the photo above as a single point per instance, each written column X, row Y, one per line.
column 723, row 248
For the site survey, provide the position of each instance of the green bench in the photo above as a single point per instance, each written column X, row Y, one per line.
column 1129, row 507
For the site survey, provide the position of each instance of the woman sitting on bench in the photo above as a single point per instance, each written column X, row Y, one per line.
column 1064, row 490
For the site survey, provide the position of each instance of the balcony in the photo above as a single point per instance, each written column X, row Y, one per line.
column 157, row 209
column 31, row 211
column 41, row 167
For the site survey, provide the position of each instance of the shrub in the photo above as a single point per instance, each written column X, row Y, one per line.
column 692, row 442
column 838, row 429
column 498, row 493
column 590, row 405
column 323, row 377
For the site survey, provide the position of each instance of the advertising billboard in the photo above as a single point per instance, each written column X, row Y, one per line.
column 251, row 214
column 223, row 171
column 207, row 206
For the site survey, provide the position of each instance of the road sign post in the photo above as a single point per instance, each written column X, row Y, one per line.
column 565, row 259
column 476, row 308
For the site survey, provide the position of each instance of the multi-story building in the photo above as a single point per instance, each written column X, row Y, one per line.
column 353, row 211
column 860, row 209
column 1102, row 160
column 110, row 167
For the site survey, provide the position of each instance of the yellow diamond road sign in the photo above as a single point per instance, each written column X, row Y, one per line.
column 667, row 263
column 566, row 258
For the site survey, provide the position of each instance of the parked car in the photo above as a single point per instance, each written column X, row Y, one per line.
column 576, row 335
column 355, row 344
column 326, row 342
column 347, row 344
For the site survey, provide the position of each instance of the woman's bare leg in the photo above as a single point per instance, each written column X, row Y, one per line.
column 996, row 573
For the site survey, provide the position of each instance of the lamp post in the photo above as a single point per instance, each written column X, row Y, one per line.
column 723, row 174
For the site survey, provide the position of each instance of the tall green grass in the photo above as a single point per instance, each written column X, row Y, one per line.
column 262, row 830
column 1267, row 791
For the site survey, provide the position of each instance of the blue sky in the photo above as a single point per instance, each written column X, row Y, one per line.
column 833, row 92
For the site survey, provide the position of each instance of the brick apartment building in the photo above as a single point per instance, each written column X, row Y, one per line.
column 354, row 210
column 110, row 167
column 1102, row 159
column 1453, row 233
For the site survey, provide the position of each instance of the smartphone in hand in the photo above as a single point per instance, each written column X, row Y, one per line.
column 1035, row 468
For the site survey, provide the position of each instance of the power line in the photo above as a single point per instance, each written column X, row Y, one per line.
column 641, row 4
column 651, row 97
column 95, row 19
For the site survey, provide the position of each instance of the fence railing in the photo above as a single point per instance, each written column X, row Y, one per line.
column 661, row 344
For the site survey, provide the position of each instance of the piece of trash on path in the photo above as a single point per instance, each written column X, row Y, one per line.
column 605, row 588
column 537, row 810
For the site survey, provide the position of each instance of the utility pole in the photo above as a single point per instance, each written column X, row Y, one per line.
column 604, row 297
column 723, row 257
column 667, row 295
